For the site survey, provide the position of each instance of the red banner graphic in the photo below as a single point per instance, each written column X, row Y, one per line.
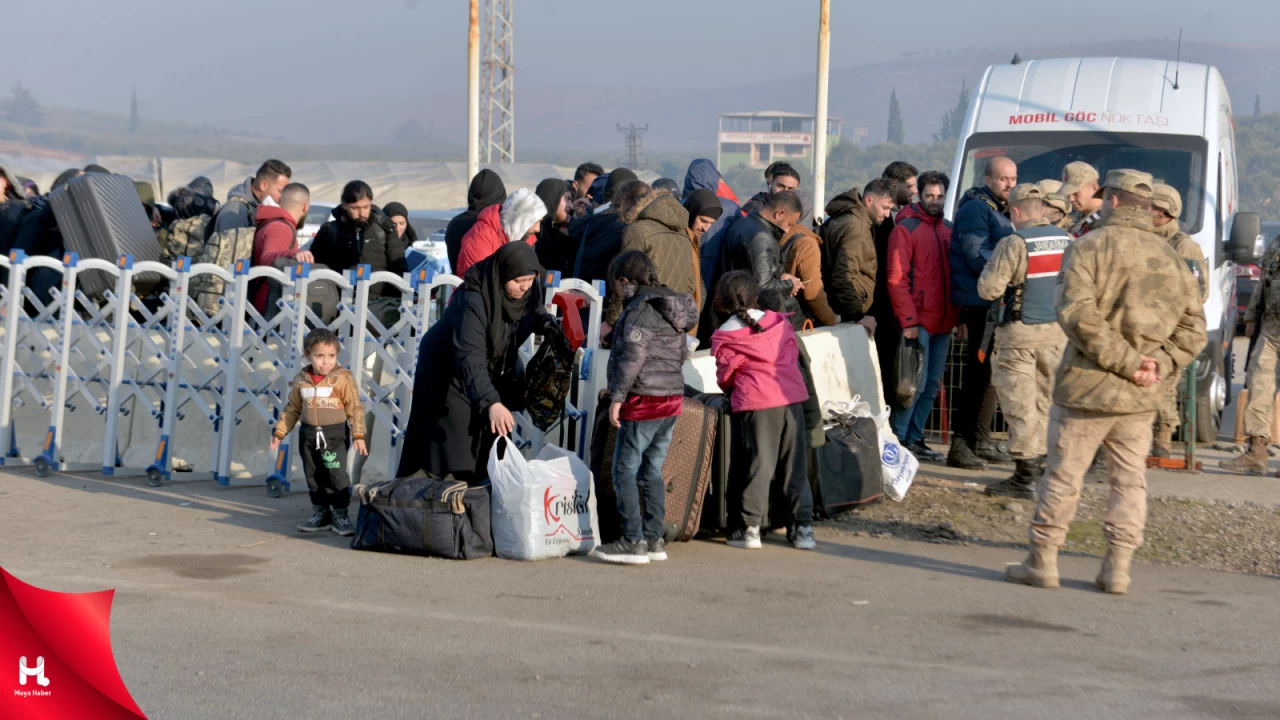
column 55, row 653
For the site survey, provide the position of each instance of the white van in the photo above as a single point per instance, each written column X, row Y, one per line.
column 1170, row 119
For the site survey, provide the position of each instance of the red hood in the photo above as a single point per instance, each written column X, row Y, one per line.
column 723, row 190
column 915, row 211
column 763, row 346
column 266, row 213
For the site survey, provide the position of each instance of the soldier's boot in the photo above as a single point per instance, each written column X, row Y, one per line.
column 1162, row 444
column 1114, row 576
column 1252, row 461
column 1040, row 569
column 992, row 453
column 1020, row 485
column 962, row 456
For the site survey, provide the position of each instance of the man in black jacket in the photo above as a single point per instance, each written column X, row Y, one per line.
column 486, row 189
column 599, row 236
column 754, row 244
column 360, row 233
column 780, row 176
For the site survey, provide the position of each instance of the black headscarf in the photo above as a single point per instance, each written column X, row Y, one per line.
column 488, row 277
column 393, row 209
column 550, row 191
column 703, row 203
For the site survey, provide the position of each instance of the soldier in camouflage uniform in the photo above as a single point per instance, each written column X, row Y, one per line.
column 1023, row 270
column 1262, row 325
column 1166, row 207
column 1080, row 185
column 1132, row 315
column 1057, row 208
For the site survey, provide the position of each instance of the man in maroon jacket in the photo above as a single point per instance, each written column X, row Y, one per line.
column 277, row 234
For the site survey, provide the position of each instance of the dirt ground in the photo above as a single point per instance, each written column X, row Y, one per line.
column 1234, row 537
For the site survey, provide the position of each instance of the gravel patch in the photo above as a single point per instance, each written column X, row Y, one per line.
column 1233, row 537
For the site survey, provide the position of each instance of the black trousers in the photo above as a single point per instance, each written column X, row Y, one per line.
column 325, row 464
column 976, row 402
column 773, row 452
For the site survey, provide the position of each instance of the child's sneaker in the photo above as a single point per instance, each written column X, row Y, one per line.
column 801, row 537
column 747, row 538
column 321, row 519
column 622, row 552
column 657, row 549
column 342, row 523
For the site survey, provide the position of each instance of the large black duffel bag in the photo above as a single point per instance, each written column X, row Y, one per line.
column 847, row 472
column 424, row 515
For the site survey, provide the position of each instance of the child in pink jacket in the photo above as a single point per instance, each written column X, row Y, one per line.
column 757, row 363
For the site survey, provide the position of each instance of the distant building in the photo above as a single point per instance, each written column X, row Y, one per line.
column 756, row 139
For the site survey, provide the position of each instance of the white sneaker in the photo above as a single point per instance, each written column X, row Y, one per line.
column 748, row 538
column 802, row 538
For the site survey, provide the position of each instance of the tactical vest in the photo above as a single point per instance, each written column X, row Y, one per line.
column 1032, row 302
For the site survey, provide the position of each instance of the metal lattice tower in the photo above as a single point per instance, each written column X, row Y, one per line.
column 497, row 119
column 632, row 136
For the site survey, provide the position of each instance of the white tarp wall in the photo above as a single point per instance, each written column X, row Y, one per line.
column 419, row 185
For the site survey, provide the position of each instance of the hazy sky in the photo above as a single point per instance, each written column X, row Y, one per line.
column 238, row 63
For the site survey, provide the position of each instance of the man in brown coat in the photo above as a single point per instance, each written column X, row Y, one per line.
column 849, row 250
column 1132, row 316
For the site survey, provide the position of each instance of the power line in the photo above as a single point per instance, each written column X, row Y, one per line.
column 631, row 135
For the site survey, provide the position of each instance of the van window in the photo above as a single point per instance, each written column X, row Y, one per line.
column 1177, row 160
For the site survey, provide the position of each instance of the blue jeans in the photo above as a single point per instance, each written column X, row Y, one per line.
column 908, row 424
column 638, row 455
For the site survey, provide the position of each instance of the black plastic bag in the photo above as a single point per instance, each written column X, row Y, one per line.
column 910, row 371
column 546, row 381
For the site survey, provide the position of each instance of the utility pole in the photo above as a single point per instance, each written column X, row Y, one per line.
column 499, row 133
column 820, row 114
column 632, row 134
column 473, row 93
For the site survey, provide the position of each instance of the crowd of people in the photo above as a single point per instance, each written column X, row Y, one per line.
column 1078, row 300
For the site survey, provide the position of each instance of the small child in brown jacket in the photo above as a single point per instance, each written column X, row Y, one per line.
column 324, row 398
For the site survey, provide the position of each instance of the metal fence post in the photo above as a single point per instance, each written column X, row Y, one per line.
column 119, row 345
column 49, row 455
column 13, row 311
column 231, row 374
column 160, row 469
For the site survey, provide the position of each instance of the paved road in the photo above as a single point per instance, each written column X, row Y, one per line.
column 223, row 610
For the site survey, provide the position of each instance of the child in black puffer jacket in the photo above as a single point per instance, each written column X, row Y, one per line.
column 646, row 387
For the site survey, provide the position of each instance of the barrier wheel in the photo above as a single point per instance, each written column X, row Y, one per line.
column 155, row 478
column 42, row 467
column 274, row 488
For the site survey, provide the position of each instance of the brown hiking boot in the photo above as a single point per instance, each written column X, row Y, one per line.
column 1040, row 569
column 1253, row 461
column 1114, row 576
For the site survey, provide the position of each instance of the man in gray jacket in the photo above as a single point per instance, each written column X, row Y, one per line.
column 243, row 200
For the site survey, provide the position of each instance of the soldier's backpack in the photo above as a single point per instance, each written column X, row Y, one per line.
column 222, row 249
column 186, row 238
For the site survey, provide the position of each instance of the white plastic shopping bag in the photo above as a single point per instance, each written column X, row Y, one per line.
column 897, row 464
column 542, row 508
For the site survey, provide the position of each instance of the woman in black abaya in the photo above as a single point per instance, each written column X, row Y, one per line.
column 466, row 383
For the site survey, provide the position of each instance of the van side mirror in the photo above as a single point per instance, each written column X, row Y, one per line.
column 1247, row 243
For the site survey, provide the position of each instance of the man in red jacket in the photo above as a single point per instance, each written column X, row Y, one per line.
column 919, row 283
column 277, row 234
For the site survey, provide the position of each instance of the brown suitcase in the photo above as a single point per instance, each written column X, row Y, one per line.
column 686, row 471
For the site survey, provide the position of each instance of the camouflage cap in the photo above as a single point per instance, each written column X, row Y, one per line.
column 1135, row 181
column 1076, row 175
column 1053, row 196
column 1167, row 198
column 1025, row 191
